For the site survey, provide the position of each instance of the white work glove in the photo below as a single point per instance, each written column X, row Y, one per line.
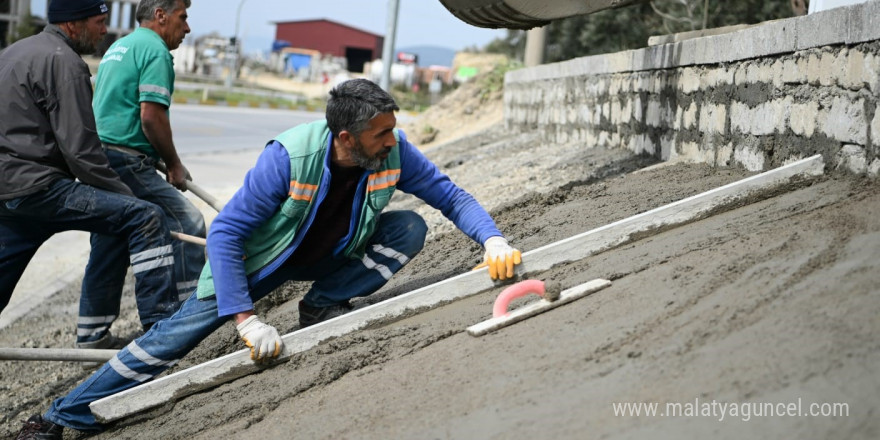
column 262, row 338
column 500, row 257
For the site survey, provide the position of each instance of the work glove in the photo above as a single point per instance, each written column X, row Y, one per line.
column 500, row 257
column 262, row 339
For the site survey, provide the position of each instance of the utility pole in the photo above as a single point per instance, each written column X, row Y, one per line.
column 388, row 46
column 535, row 42
column 232, row 51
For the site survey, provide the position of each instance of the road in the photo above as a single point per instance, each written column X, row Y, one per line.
column 202, row 129
column 217, row 144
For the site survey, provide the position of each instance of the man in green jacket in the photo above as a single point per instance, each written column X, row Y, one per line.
column 132, row 98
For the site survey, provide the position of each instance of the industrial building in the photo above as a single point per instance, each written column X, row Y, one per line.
column 330, row 38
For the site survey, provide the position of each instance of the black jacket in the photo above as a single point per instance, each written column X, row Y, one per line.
column 47, row 127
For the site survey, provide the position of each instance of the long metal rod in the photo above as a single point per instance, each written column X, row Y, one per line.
column 56, row 354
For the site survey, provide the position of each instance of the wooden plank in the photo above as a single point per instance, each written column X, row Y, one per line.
column 538, row 307
column 238, row 364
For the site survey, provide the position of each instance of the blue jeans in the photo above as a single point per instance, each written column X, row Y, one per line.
column 105, row 273
column 26, row 222
column 400, row 236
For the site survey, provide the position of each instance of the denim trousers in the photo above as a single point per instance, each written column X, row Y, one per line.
column 105, row 272
column 399, row 237
column 26, row 222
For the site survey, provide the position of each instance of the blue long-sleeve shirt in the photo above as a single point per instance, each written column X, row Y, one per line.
column 266, row 187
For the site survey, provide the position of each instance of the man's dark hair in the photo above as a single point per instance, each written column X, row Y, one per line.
column 354, row 103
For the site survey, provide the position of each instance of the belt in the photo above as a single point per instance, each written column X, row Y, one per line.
column 125, row 150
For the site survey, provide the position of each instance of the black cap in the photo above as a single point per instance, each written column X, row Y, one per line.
column 61, row 11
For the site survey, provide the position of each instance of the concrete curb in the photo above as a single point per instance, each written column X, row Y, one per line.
column 238, row 364
column 845, row 25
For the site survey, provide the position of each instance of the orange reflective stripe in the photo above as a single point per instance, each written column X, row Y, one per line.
column 302, row 191
column 383, row 180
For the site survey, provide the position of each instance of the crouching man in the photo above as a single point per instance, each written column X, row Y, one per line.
column 310, row 210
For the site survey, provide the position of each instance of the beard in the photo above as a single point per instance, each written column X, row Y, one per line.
column 365, row 161
column 86, row 42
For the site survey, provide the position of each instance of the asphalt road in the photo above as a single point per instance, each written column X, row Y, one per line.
column 202, row 129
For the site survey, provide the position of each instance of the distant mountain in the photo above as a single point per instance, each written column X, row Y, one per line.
column 431, row 55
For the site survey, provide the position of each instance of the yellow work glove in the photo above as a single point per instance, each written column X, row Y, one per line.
column 500, row 257
column 262, row 339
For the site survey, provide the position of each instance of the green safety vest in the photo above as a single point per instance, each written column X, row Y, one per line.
column 307, row 146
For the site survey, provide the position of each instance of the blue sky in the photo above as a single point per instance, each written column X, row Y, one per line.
column 420, row 22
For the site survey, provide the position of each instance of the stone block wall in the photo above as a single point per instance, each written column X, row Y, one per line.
column 760, row 97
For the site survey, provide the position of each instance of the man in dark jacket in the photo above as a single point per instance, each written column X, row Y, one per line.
column 48, row 141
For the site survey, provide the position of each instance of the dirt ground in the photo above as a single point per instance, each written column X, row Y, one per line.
column 773, row 302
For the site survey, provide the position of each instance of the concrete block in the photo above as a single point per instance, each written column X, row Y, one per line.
column 775, row 37
column 604, row 139
column 715, row 77
column 750, row 158
column 626, row 112
column 864, row 22
column 613, row 63
column 813, row 69
column 852, row 158
column 688, row 52
column 667, row 146
column 676, row 122
column 641, row 144
column 688, row 151
column 615, row 140
column 794, row 71
column 872, row 71
column 875, row 127
column 654, row 116
column 861, row 71
column 845, row 121
column 584, row 114
column 689, row 80
column 619, row 84
column 705, row 153
column 723, row 155
column 638, row 109
column 754, row 73
column 701, row 50
column 764, row 119
column 874, row 168
column 663, row 82
column 770, row 38
column 643, row 82
column 823, row 28
column 713, row 119
column 740, row 74
column 776, row 74
column 689, row 117
column 802, row 119
column 828, row 68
